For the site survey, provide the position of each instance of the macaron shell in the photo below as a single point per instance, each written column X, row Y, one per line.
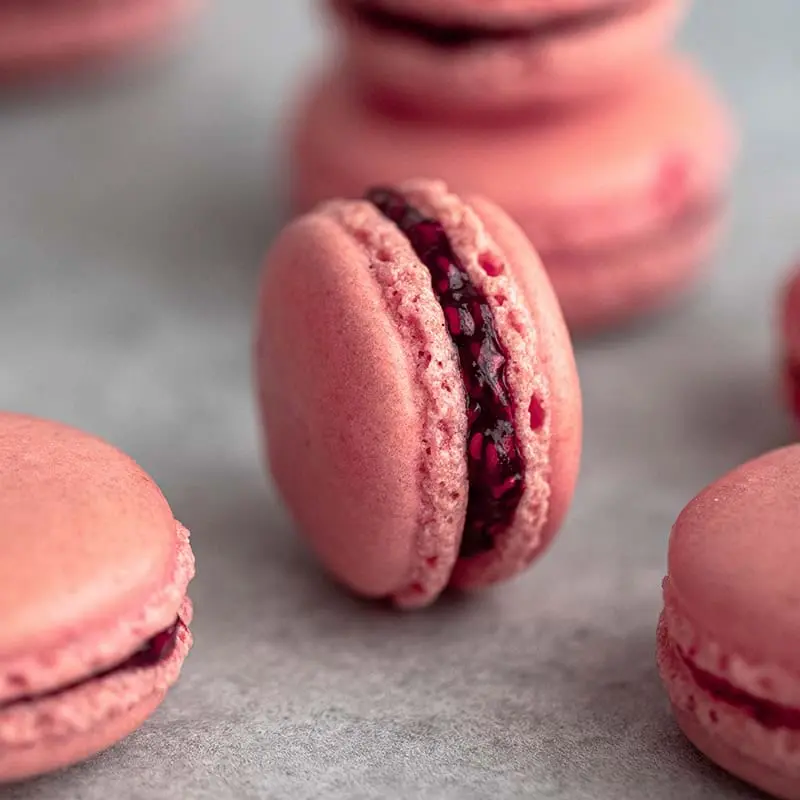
column 780, row 784
column 612, row 172
column 732, row 559
column 92, row 562
column 341, row 406
column 52, row 754
column 628, row 282
column 726, row 734
column 511, row 75
column 554, row 356
column 48, row 38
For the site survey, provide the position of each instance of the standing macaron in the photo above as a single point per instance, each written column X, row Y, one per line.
column 728, row 647
column 475, row 57
column 41, row 36
column 623, row 200
column 418, row 390
column 790, row 341
column 93, row 603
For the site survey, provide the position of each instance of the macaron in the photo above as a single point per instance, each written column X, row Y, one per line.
column 37, row 37
column 789, row 341
column 624, row 200
column 473, row 57
column 93, row 576
column 727, row 639
column 419, row 397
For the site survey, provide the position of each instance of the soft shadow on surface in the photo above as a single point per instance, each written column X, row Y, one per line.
column 618, row 729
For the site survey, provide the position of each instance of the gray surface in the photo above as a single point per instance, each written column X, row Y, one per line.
column 132, row 220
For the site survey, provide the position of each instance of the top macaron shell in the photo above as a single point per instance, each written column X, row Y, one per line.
column 342, row 406
column 733, row 559
column 93, row 562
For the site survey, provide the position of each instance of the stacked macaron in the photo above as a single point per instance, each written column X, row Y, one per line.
column 612, row 154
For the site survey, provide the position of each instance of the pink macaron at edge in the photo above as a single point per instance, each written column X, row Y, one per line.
column 74, row 31
column 726, row 645
column 83, row 521
column 94, row 571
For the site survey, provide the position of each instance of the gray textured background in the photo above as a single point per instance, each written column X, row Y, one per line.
column 132, row 221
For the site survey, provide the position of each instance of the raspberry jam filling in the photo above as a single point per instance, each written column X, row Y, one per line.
column 766, row 712
column 152, row 652
column 494, row 458
column 455, row 36
column 793, row 385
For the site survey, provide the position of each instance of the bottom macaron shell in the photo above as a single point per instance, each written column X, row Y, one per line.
column 53, row 754
column 627, row 283
column 786, row 787
column 731, row 738
column 39, row 42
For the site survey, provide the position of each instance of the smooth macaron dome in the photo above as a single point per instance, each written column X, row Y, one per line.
column 407, row 392
column 727, row 642
column 93, row 577
column 624, row 201
column 506, row 56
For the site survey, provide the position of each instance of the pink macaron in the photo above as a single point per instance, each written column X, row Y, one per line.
column 420, row 402
column 728, row 637
column 93, row 576
column 790, row 341
column 444, row 58
column 624, row 201
column 38, row 37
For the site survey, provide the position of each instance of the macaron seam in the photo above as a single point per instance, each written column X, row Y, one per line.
column 778, row 748
column 80, row 709
column 33, row 673
column 481, row 256
column 772, row 682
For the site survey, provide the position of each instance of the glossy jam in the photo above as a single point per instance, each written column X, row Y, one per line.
column 457, row 36
column 155, row 650
column 494, row 458
column 766, row 712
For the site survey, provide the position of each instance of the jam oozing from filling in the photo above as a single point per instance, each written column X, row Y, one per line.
column 496, row 466
column 153, row 651
column 766, row 712
column 456, row 36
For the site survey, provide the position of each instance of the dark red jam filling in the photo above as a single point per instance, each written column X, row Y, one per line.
column 153, row 651
column 766, row 712
column 793, row 374
column 457, row 36
column 494, row 457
